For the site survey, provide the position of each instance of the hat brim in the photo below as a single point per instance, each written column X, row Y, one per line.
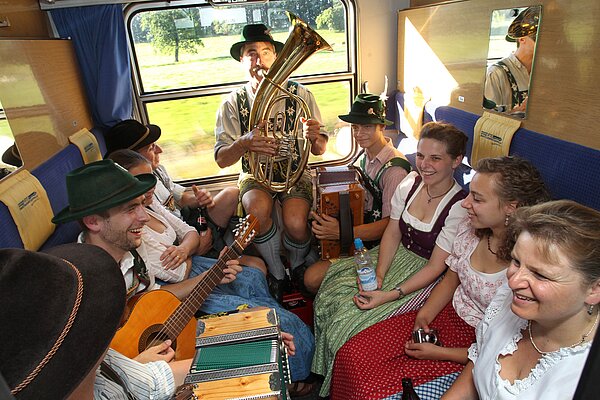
column 152, row 137
column 46, row 311
column 363, row 120
column 235, row 50
column 145, row 183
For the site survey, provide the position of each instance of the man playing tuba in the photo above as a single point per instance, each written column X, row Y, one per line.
column 234, row 139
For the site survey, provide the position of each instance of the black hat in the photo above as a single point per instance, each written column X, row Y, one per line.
column 101, row 185
column 12, row 157
column 254, row 33
column 366, row 109
column 131, row 134
column 525, row 24
column 59, row 312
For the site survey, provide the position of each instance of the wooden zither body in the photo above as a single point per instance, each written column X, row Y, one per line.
column 239, row 356
column 340, row 195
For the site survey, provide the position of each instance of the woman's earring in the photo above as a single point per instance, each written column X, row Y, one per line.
column 506, row 220
column 590, row 309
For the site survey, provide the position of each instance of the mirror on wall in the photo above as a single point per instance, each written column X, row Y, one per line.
column 513, row 38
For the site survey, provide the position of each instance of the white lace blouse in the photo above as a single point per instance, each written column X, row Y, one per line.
column 555, row 376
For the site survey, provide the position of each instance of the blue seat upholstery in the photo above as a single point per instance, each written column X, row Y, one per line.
column 51, row 175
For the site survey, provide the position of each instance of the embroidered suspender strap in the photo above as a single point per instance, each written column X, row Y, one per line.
column 140, row 274
column 112, row 376
column 244, row 117
column 375, row 188
column 517, row 96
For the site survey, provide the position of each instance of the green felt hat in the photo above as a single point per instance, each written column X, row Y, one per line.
column 254, row 33
column 101, row 185
column 366, row 109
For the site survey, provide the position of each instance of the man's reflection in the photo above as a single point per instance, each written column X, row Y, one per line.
column 507, row 81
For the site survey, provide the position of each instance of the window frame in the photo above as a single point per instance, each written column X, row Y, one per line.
column 142, row 98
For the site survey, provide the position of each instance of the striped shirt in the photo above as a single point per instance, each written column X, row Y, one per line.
column 152, row 381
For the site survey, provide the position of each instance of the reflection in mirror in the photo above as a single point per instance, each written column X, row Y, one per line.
column 513, row 36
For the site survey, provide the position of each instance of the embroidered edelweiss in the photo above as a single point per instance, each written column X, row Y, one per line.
column 370, row 111
column 292, row 89
column 376, row 214
column 290, row 110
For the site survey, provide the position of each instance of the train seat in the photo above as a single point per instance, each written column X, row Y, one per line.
column 51, row 174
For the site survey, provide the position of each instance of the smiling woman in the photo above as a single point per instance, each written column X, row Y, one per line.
column 542, row 322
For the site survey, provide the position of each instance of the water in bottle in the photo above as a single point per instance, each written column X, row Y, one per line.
column 364, row 266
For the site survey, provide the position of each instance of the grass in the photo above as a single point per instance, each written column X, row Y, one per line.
column 188, row 124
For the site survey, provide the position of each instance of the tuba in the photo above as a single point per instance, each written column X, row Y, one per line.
column 280, row 173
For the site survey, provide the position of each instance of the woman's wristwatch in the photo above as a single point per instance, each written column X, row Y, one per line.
column 400, row 291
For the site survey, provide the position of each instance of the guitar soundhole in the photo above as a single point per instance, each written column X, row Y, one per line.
column 153, row 336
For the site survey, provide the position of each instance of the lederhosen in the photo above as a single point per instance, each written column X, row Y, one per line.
column 373, row 186
column 288, row 125
column 422, row 243
column 518, row 97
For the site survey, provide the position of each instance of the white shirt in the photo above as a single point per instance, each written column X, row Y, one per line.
column 126, row 266
column 153, row 243
column 457, row 213
column 150, row 381
column 555, row 376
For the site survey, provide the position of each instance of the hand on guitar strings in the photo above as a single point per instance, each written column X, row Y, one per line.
column 325, row 227
column 161, row 351
column 173, row 256
column 232, row 268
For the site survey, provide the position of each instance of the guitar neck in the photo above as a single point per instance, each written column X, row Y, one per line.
column 186, row 310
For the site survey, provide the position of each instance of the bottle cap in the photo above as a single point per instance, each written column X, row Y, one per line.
column 358, row 244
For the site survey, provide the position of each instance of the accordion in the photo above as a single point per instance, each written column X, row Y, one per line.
column 340, row 195
column 239, row 356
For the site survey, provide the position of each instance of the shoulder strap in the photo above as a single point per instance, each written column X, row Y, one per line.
column 517, row 97
column 110, row 374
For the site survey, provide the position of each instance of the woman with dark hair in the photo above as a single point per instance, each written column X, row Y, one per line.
column 536, row 333
column 418, row 238
column 477, row 267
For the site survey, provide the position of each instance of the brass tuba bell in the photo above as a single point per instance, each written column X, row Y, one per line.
column 280, row 173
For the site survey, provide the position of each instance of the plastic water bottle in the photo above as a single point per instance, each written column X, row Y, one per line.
column 364, row 266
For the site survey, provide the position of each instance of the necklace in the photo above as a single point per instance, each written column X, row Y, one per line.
column 439, row 195
column 583, row 337
column 490, row 247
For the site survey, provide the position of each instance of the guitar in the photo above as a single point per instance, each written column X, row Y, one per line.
column 155, row 316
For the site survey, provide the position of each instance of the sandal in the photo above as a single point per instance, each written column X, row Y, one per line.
column 300, row 389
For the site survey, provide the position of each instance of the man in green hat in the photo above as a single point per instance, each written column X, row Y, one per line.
column 382, row 168
column 108, row 203
column 256, row 52
column 507, row 81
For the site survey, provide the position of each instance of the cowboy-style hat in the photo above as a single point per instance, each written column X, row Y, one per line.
column 254, row 33
column 59, row 312
column 366, row 109
column 525, row 24
column 130, row 134
column 101, row 185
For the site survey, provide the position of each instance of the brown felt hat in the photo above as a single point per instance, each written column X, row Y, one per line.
column 59, row 312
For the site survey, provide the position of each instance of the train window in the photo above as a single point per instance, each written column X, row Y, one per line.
column 183, row 69
column 6, row 136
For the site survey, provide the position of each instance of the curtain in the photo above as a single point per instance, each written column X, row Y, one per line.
column 98, row 35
